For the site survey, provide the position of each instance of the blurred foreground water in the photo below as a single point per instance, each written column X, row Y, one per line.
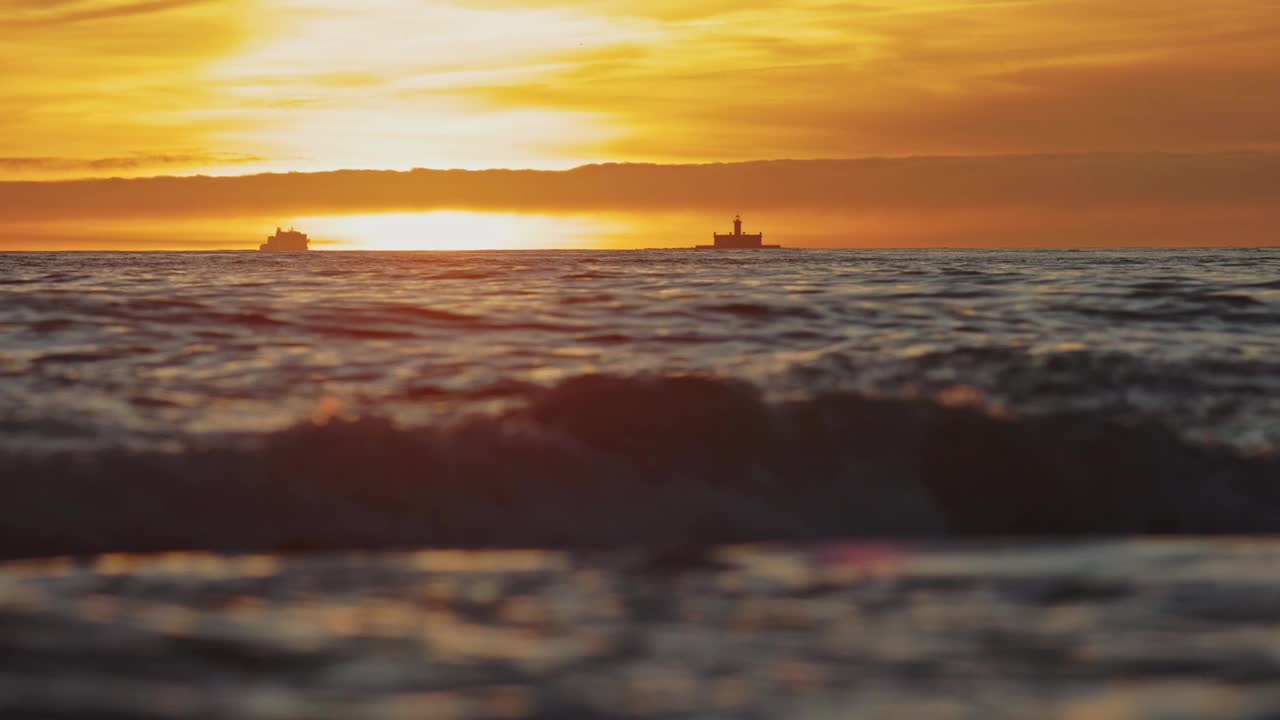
column 1101, row 630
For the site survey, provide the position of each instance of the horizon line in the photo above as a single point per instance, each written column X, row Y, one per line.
column 806, row 248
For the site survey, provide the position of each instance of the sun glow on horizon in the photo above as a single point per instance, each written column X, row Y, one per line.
column 453, row 230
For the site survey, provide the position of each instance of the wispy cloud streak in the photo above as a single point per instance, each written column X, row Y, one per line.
column 63, row 12
column 125, row 162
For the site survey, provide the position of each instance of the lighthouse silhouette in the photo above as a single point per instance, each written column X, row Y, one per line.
column 738, row 240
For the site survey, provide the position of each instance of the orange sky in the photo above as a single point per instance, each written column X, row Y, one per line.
column 101, row 88
column 111, row 87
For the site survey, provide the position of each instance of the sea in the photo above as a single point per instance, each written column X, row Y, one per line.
column 569, row 397
column 649, row 484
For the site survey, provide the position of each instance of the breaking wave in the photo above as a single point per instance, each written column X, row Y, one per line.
column 603, row 460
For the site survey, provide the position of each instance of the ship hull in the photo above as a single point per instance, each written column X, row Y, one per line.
column 286, row 241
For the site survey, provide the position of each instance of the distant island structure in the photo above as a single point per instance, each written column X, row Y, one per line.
column 286, row 241
column 738, row 240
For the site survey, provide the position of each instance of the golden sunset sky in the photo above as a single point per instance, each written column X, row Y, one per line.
column 128, row 88
column 123, row 87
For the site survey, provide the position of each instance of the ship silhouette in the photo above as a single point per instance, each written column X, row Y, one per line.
column 738, row 240
column 286, row 241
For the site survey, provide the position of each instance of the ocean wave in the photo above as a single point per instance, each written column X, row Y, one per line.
column 602, row 460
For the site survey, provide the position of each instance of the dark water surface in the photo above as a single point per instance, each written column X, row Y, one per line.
column 757, row 394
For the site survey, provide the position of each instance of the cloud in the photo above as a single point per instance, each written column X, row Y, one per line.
column 1065, row 182
column 1094, row 199
column 954, row 78
column 61, row 12
column 130, row 162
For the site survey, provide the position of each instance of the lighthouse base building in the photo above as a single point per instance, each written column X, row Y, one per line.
column 738, row 240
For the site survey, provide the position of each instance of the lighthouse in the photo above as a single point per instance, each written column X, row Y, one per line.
column 738, row 240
